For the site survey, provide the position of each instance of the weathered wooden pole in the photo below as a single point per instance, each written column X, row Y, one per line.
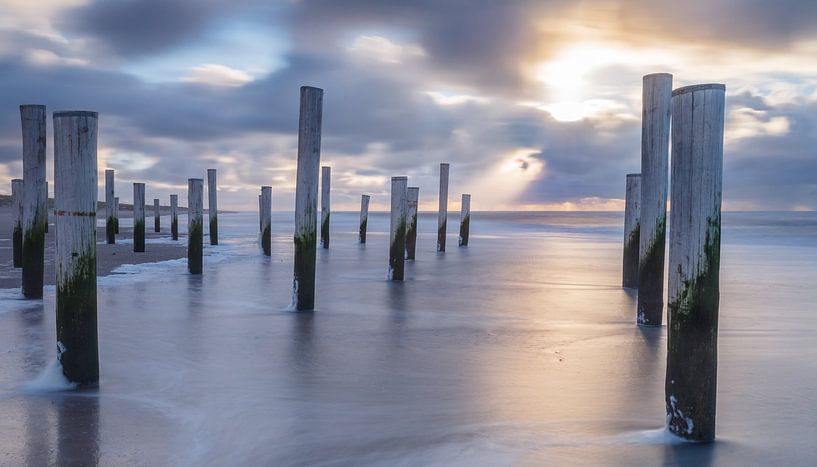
column 35, row 215
column 632, row 200
column 465, row 219
column 195, row 225
column 75, row 195
column 212, row 205
column 694, row 260
column 397, row 238
column 266, row 220
column 306, row 194
column 174, row 217
column 413, row 196
column 364, row 217
column 116, row 214
column 157, row 216
column 655, row 119
column 110, row 210
column 443, row 216
column 326, row 181
column 45, row 195
column 17, row 221
column 260, row 220
column 139, row 217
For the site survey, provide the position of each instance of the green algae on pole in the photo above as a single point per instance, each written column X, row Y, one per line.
column 35, row 199
column 655, row 121
column 465, row 219
column 212, row 205
column 174, row 217
column 306, row 197
column 17, row 222
column 157, row 215
column 413, row 196
column 694, row 260
column 75, row 195
column 442, row 220
column 116, row 214
column 266, row 220
column 139, row 217
column 326, row 181
column 195, row 225
column 629, row 270
column 110, row 219
column 364, row 217
column 397, row 236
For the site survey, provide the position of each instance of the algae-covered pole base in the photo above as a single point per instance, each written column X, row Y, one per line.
column 116, row 214
column 35, row 201
column 266, row 220
column 694, row 260
column 110, row 209
column 157, row 216
column 195, row 224
column 75, row 194
column 174, row 217
column 17, row 222
column 326, row 181
column 465, row 219
column 212, row 205
column 397, row 236
column 306, row 197
column 139, row 217
column 443, row 213
column 364, row 218
column 412, row 197
column 629, row 270
column 655, row 119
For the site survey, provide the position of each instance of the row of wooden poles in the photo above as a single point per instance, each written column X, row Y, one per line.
column 697, row 117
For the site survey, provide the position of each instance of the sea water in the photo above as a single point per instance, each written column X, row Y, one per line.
column 520, row 349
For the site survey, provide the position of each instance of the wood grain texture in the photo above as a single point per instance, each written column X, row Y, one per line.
column 364, row 218
column 326, row 184
column 17, row 222
column 465, row 220
column 397, row 228
column 139, row 217
column 35, row 215
column 212, row 205
column 174, row 217
column 632, row 202
column 195, row 225
column 110, row 219
column 413, row 196
column 442, row 218
column 266, row 220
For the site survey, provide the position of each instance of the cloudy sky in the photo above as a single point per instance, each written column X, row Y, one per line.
column 535, row 103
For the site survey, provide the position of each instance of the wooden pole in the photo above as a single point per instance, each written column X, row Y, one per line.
column 413, row 196
column 75, row 195
column 465, row 219
column 266, row 220
column 110, row 219
column 656, row 100
column 139, row 217
column 397, row 237
column 35, row 216
column 116, row 214
column 212, row 206
column 443, row 215
column 364, row 217
column 326, row 181
column 632, row 200
column 260, row 220
column 174, row 217
column 306, row 194
column 195, row 225
column 17, row 221
column 694, row 260
column 157, row 226
column 45, row 196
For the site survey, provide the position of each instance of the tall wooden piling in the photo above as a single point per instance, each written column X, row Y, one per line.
column 266, row 220
column 465, row 219
column 260, row 220
column 694, row 260
column 45, row 196
column 655, row 120
column 195, row 225
column 306, row 194
column 632, row 200
column 174, row 217
column 75, row 195
column 139, row 217
column 397, row 237
column 212, row 205
column 110, row 219
column 157, row 216
column 116, row 214
column 35, row 202
column 326, row 181
column 412, row 198
column 17, row 222
column 442, row 220
column 364, row 217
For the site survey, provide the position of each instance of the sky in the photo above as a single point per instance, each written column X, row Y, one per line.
column 536, row 104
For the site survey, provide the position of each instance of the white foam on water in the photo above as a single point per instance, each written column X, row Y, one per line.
column 13, row 299
column 51, row 379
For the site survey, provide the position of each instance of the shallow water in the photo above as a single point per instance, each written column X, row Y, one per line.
column 520, row 349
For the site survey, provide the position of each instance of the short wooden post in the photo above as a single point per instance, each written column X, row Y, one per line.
column 116, row 214
column 694, row 260
column 632, row 200
column 139, row 217
column 45, row 195
column 174, row 217
column 35, row 203
column 17, row 221
column 157, row 216
column 195, row 225
column 75, row 195
column 364, row 217
column 326, row 181
column 465, row 219
column 413, row 196
column 306, row 194
column 397, row 237
column 655, row 119
column 212, row 206
column 110, row 219
column 260, row 219
column 266, row 220
column 443, row 214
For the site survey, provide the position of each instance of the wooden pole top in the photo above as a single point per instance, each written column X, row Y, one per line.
column 75, row 113
column 699, row 87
